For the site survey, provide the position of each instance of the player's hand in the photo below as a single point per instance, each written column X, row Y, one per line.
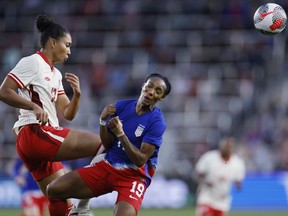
column 107, row 111
column 40, row 114
column 116, row 126
column 73, row 80
column 20, row 180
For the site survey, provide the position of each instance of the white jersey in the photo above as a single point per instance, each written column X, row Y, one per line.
column 40, row 83
column 221, row 175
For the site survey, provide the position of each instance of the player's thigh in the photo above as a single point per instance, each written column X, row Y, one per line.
column 69, row 185
column 78, row 144
column 124, row 208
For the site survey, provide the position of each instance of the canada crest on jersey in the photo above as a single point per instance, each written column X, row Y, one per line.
column 139, row 130
column 58, row 128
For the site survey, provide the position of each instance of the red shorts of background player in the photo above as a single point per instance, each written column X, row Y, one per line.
column 206, row 210
column 34, row 203
column 102, row 178
column 37, row 146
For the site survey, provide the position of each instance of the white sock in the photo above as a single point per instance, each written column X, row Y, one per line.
column 83, row 203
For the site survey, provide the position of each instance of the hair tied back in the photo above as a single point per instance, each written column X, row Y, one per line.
column 42, row 22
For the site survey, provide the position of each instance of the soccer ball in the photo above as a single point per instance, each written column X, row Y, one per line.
column 270, row 18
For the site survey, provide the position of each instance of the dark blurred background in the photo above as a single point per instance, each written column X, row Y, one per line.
column 227, row 77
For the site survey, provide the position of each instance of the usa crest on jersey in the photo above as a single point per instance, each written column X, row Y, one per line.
column 139, row 130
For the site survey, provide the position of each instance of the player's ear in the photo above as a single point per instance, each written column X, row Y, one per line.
column 162, row 98
column 52, row 42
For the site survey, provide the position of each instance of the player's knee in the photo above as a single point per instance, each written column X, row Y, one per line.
column 54, row 191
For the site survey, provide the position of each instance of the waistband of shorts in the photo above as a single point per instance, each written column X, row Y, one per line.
column 17, row 130
column 127, row 170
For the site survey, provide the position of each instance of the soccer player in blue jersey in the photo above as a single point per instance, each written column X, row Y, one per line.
column 132, row 131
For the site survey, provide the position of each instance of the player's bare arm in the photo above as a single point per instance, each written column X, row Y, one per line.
column 67, row 108
column 106, row 136
column 73, row 80
column 9, row 95
column 138, row 156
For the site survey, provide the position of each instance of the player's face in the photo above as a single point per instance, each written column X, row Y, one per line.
column 152, row 91
column 62, row 48
column 227, row 147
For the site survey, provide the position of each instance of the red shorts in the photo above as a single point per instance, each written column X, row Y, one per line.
column 102, row 178
column 206, row 210
column 37, row 145
column 35, row 200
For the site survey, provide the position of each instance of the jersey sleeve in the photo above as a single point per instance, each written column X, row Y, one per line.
column 120, row 106
column 154, row 134
column 202, row 163
column 61, row 90
column 24, row 72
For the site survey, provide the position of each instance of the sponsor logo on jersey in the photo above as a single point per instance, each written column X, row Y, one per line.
column 139, row 130
column 58, row 128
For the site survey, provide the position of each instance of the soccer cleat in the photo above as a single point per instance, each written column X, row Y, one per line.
column 80, row 212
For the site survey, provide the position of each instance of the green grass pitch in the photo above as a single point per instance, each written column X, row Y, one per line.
column 158, row 212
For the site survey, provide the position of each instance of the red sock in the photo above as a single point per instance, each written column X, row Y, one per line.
column 58, row 207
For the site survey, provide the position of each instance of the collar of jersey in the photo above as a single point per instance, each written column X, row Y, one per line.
column 45, row 59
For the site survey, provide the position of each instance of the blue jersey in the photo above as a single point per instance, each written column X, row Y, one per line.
column 30, row 183
column 148, row 127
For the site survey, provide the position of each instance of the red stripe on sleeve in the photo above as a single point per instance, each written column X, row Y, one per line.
column 61, row 92
column 16, row 79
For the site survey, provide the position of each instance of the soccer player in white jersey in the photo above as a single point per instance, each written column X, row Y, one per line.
column 35, row 86
column 216, row 171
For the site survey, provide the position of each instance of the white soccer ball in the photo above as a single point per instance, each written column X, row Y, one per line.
column 270, row 18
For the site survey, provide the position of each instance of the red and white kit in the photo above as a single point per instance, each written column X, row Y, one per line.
column 40, row 83
column 214, row 191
